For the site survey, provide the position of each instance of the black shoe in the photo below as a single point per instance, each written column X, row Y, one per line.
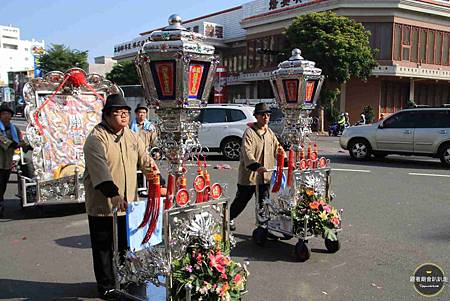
column 232, row 226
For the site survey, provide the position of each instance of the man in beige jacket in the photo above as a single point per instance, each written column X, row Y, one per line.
column 112, row 153
column 10, row 139
column 258, row 152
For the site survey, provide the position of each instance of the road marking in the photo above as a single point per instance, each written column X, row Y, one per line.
column 351, row 170
column 427, row 175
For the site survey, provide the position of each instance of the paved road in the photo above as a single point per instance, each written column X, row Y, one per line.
column 396, row 217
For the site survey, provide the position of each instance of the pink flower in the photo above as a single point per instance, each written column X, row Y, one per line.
column 335, row 221
column 215, row 262
column 189, row 268
column 327, row 208
column 237, row 278
column 223, row 276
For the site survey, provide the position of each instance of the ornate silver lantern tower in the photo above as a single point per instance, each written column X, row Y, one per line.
column 177, row 70
column 296, row 85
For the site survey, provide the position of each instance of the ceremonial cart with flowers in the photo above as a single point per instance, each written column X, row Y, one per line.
column 61, row 110
column 300, row 203
column 179, row 245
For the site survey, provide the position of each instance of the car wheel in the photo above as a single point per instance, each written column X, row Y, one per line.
column 359, row 149
column 231, row 148
column 445, row 155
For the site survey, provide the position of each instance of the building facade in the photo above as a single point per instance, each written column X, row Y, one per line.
column 102, row 65
column 412, row 38
column 17, row 57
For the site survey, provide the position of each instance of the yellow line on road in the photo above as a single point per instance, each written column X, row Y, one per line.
column 428, row 175
column 351, row 170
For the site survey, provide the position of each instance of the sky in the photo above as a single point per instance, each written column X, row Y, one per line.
column 98, row 25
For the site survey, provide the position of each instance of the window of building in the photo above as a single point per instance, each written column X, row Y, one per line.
column 195, row 28
column 438, row 56
column 446, row 49
column 10, row 46
column 430, row 46
column 219, row 32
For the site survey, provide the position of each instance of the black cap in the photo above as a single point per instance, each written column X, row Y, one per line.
column 115, row 101
column 142, row 105
column 261, row 108
column 4, row 107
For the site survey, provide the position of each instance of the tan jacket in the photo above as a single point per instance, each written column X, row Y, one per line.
column 112, row 157
column 258, row 146
column 148, row 137
column 6, row 152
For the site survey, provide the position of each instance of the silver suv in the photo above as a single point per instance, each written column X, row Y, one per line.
column 418, row 131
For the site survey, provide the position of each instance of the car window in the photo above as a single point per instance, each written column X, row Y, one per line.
column 235, row 115
column 213, row 116
column 401, row 120
column 433, row 119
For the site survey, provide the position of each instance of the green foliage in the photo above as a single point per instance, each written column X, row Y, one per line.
column 124, row 73
column 62, row 58
column 369, row 113
column 329, row 99
column 211, row 272
column 338, row 45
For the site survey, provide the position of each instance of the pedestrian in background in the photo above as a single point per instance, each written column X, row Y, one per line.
column 143, row 127
column 258, row 153
column 112, row 154
column 10, row 139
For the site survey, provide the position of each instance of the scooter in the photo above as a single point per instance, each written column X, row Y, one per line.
column 336, row 130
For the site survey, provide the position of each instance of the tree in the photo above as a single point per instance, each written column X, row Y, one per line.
column 62, row 58
column 124, row 73
column 339, row 46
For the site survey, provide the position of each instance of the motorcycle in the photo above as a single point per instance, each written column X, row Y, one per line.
column 336, row 130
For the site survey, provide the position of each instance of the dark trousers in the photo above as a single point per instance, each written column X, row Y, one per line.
column 243, row 196
column 4, row 178
column 101, row 230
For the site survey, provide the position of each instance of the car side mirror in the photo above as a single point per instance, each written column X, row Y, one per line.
column 380, row 126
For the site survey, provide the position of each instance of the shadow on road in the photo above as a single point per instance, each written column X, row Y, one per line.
column 273, row 250
column 34, row 290
column 78, row 241
column 391, row 161
column 14, row 212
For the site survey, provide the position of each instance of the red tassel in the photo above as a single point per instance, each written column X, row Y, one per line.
column 280, row 165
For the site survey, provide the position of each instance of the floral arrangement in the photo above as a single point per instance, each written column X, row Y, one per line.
column 210, row 271
column 322, row 217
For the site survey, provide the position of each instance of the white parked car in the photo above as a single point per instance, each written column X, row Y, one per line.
column 223, row 126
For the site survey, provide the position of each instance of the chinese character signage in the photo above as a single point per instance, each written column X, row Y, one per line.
column 164, row 77
column 309, row 93
column 276, row 4
column 195, row 77
column 291, row 90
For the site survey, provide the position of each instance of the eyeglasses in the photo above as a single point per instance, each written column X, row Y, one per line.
column 121, row 113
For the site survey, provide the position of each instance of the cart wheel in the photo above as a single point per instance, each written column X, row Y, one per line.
column 332, row 245
column 302, row 251
column 260, row 236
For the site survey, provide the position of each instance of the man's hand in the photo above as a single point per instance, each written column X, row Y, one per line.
column 261, row 170
column 119, row 202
